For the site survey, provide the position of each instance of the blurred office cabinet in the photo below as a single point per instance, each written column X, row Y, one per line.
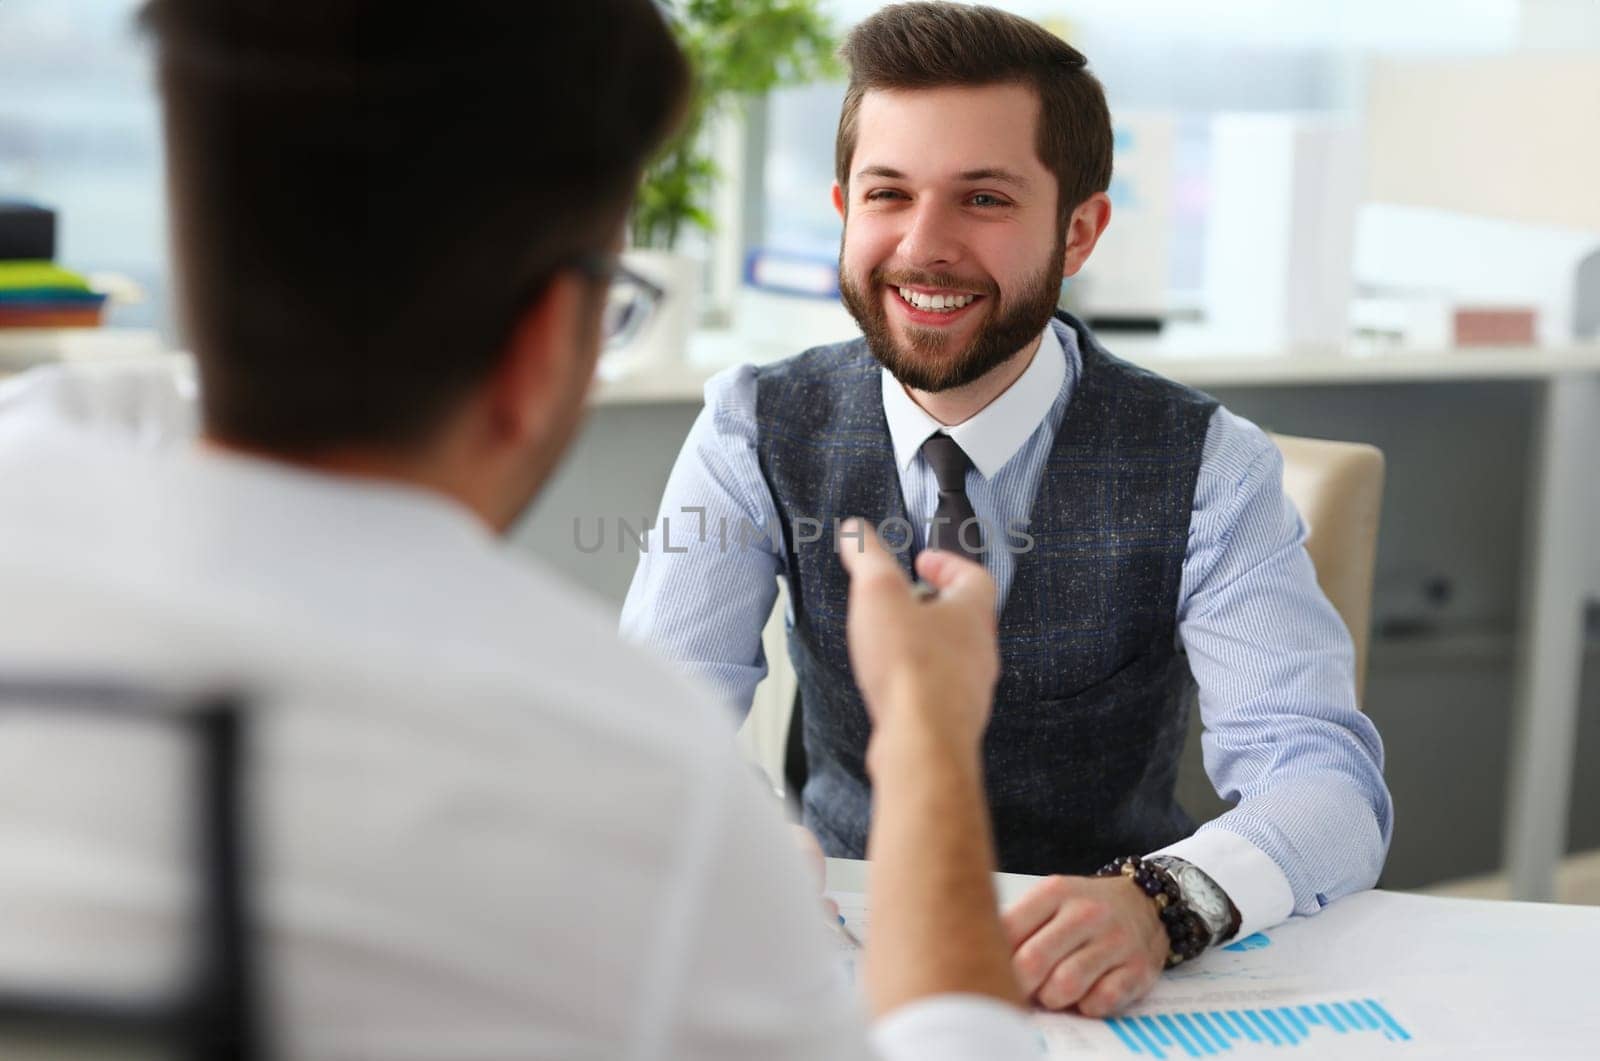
column 1283, row 193
column 1586, row 299
column 1126, row 281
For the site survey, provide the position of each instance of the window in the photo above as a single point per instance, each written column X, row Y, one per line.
column 80, row 132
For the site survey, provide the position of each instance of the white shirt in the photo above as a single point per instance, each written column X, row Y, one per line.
column 486, row 829
column 993, row 435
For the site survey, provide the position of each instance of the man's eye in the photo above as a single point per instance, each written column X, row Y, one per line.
column 882, row 193
column 985, row 199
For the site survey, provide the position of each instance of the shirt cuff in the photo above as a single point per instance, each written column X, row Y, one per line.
column 1252, row 880
column 956, row 1028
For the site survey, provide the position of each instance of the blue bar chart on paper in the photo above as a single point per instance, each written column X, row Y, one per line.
column 1206, row 1033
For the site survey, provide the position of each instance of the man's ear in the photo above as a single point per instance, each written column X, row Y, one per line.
column 838, row 199
column 546, row 347
column 1084, row 229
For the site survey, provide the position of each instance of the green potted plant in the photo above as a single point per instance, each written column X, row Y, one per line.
column 738, row 49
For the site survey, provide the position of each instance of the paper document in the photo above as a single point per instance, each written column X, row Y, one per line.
column 1376, row 975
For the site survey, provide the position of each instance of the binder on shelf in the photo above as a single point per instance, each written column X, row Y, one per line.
column 41, row 294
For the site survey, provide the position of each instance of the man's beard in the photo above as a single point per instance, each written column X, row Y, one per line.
column 921, row 363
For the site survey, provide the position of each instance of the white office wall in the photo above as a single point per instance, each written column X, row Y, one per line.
column 1510, row 136
column 1425, row 24
column 1559, row 24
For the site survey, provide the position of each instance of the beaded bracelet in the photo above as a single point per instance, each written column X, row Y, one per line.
column 1187, row 933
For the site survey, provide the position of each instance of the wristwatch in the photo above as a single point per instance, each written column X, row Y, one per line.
column 1202, row 895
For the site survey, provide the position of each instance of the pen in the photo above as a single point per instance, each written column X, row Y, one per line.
column 844, row 930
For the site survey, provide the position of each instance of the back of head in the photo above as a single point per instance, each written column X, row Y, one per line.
column 938, row 45
column 367, row 195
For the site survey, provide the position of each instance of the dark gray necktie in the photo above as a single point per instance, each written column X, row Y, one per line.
column 950, row 463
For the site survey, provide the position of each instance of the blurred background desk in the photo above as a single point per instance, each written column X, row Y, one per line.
column 24, row 348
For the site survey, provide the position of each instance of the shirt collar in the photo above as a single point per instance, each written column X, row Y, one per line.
column 995, row 434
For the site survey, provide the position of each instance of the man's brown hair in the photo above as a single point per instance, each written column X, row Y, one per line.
column 366, row 198
column 935, row 45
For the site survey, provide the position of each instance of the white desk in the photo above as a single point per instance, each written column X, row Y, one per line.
column 1456, row 977
column 1562, row 566
column 24, row 348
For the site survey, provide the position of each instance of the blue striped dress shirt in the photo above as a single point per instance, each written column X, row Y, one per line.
column 1283, row 737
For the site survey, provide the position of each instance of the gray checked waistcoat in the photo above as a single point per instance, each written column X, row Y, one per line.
column 1092, row 707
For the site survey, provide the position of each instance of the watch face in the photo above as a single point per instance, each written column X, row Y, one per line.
column 1203, row 895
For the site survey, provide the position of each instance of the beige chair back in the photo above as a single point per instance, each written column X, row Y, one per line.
column 1338, row 488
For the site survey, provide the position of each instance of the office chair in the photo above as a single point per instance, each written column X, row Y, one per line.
column 215, row 1015
column 1338, row 488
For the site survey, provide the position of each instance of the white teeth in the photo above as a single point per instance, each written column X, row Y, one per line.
column 936, row 303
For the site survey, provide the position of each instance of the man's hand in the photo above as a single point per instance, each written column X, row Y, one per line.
column 1093, row 942
column 937, row 659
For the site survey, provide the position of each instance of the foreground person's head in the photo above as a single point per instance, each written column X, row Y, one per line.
column 394, row 233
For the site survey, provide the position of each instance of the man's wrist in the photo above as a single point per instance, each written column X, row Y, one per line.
column 1188, row 932
column 909, row 742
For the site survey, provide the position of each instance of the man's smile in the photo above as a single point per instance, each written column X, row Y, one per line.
column 938, row 307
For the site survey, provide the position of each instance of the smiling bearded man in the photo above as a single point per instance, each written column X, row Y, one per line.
column 1162, row 566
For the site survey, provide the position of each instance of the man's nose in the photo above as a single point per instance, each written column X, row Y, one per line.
column 933, row 238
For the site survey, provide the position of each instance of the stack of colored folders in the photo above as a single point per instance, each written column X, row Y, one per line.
column 41, row 294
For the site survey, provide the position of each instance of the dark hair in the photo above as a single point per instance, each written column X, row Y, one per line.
column 367, row 197
column 933, row 45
